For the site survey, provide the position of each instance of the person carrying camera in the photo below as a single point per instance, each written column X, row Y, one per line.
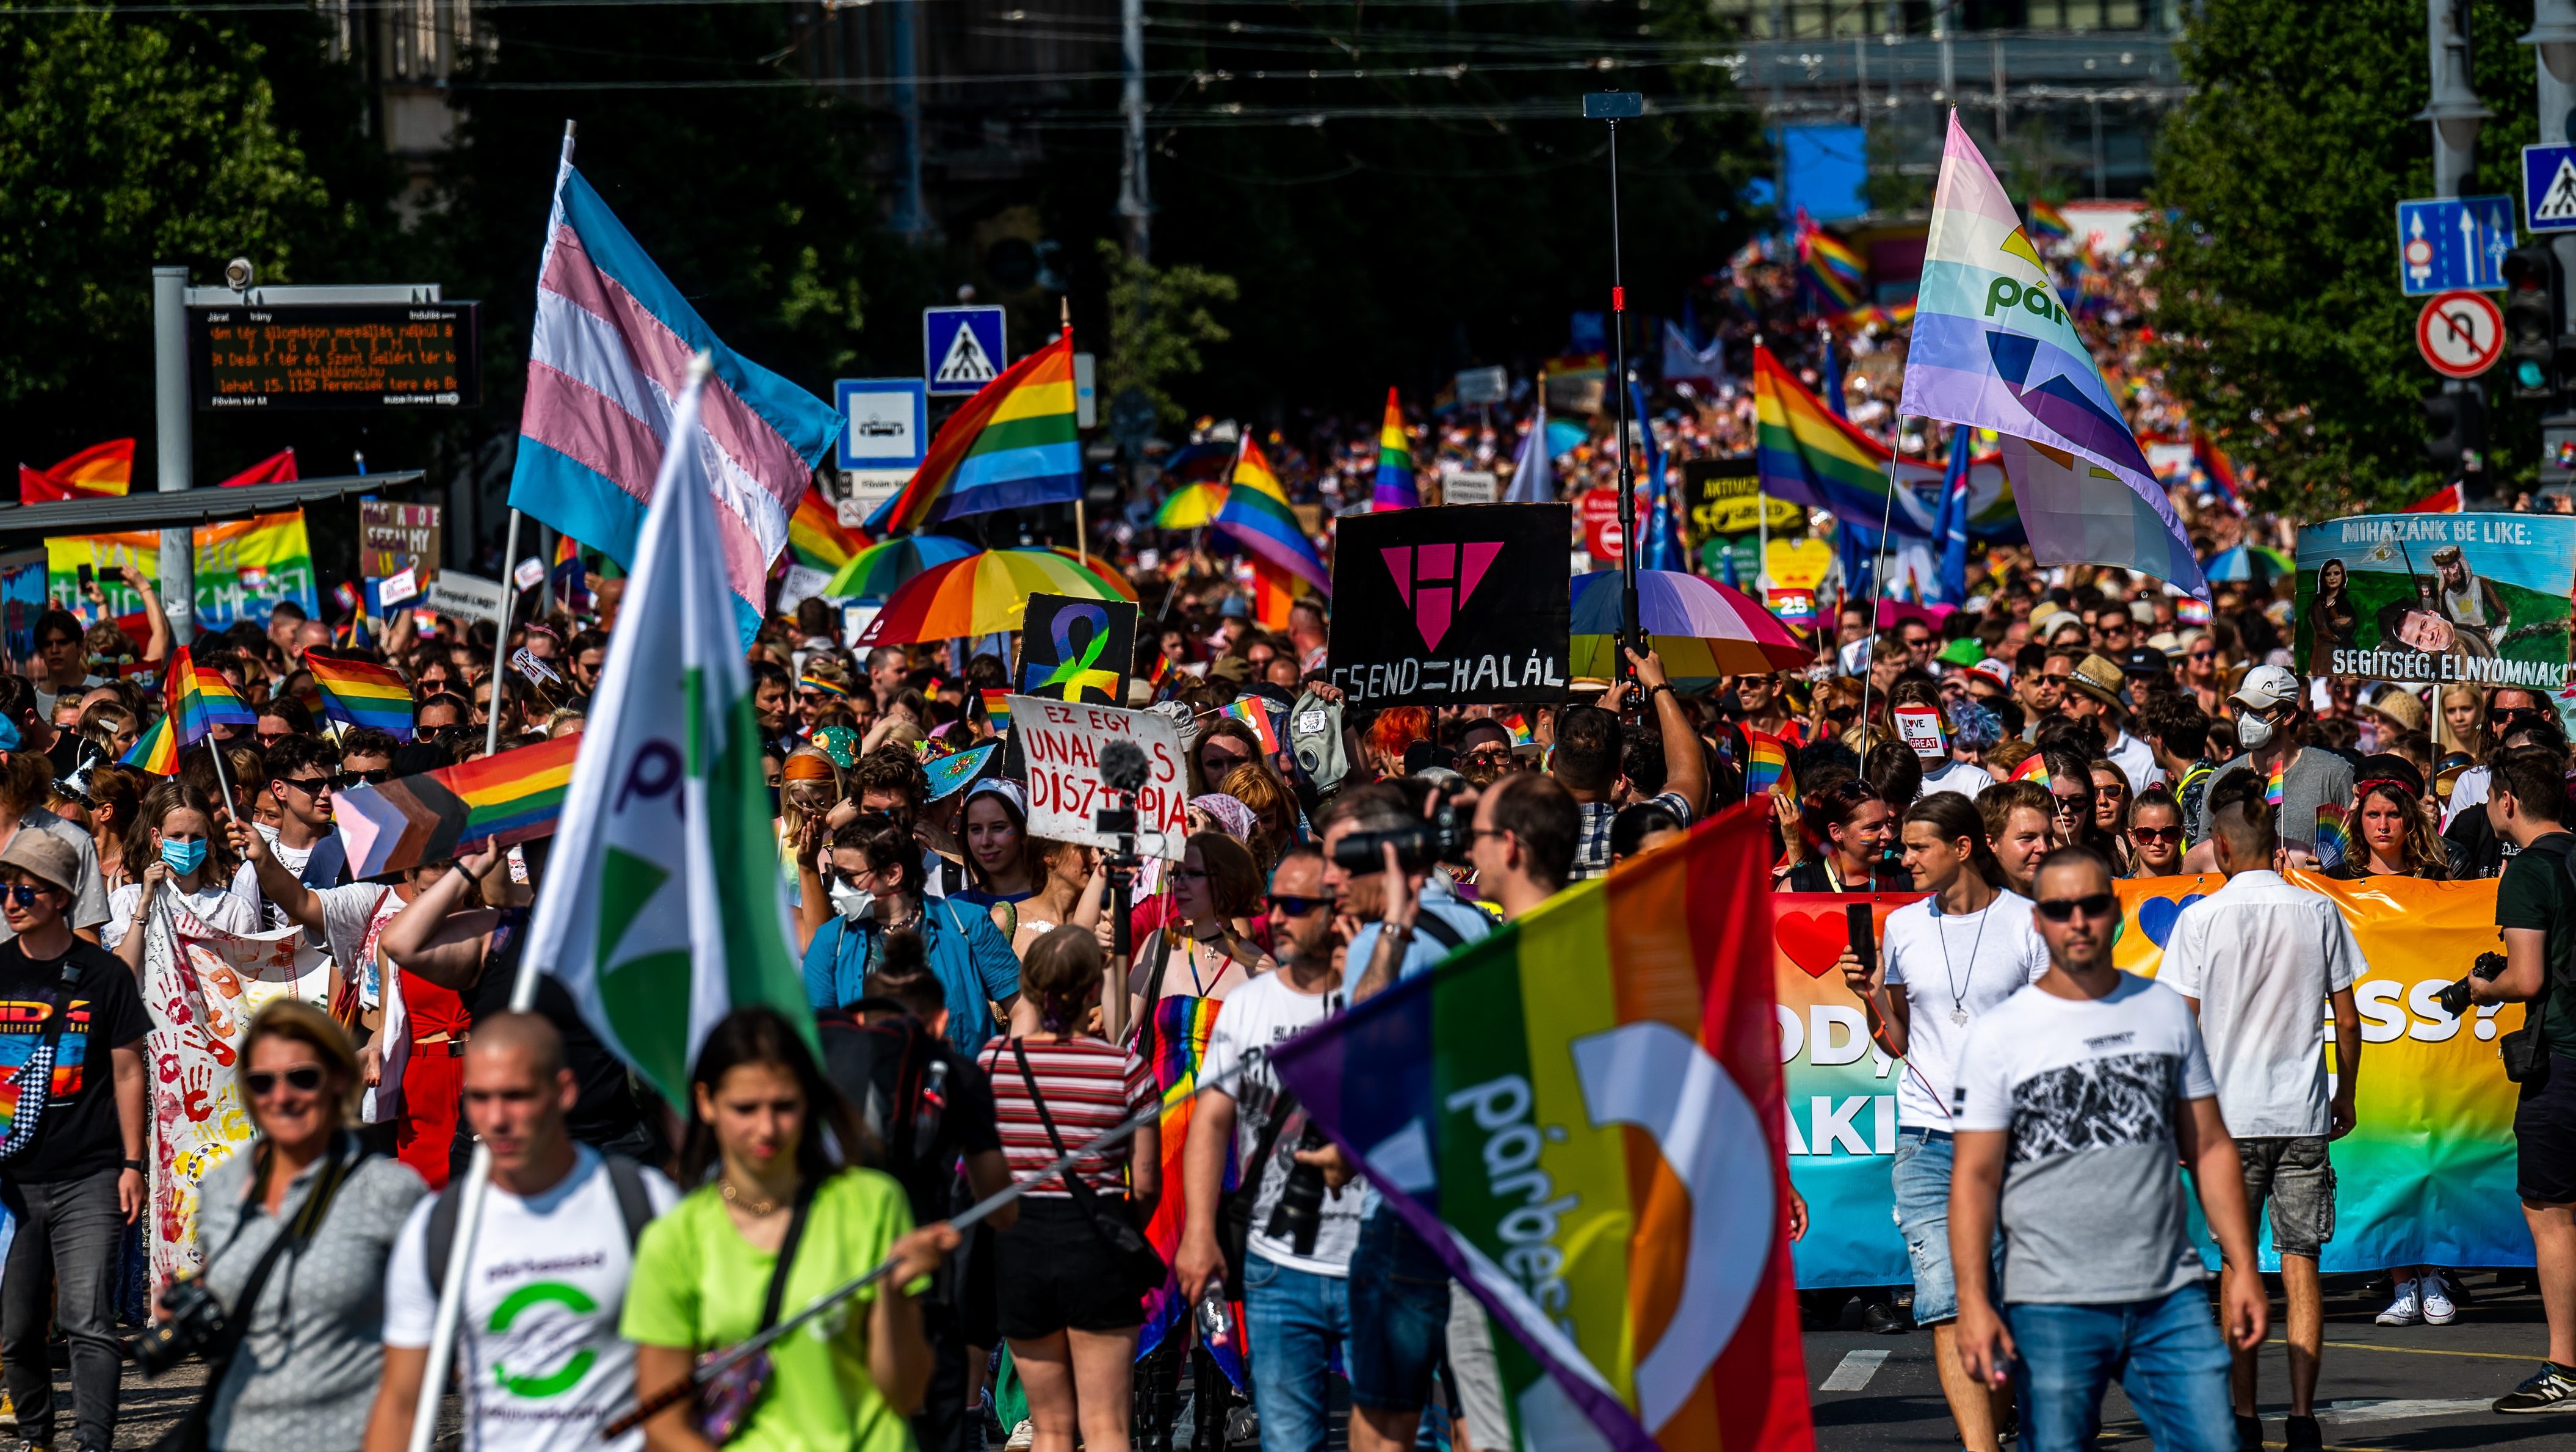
column 2536, row 911
column 1296, row 1301
column 1589, row 758
column 71, row 1163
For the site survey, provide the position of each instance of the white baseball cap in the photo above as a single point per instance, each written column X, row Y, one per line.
column 2266, row 687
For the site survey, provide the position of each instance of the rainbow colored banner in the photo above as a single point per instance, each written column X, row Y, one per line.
column 2426, row 1177
column 1176, row 1042
column 244, row 568
column 1581, row 1115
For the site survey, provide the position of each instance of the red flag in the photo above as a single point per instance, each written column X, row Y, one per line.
column 277, row 468
column 2445, row 500
column 99, row 471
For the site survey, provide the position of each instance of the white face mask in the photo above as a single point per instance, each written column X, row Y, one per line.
column 2253, row 732
column 850, row 902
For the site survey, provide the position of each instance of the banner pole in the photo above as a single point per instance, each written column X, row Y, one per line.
column 501, row 637
column 1878, row 585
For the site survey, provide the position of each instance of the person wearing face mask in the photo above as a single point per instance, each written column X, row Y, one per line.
column 2268, row 710
column 173, row 865
column 874, row 888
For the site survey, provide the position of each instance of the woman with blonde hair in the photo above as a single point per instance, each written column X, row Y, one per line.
column 174, row 859
column 1274, row 811
column 2461, row 725
column 304, row 1372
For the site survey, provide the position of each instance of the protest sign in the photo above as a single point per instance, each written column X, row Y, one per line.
column 1470, row 486
column 22, row 599
column 2426, row 1177
column 201, row 988
column 245, row 567
column 1725, row 497
column 393, row 538
column 2434, row 598
column 1797, row 564
column 1062, row 741
column 467, row 597
column 1077, row 650
column 1462, row 604
column 1603, row 539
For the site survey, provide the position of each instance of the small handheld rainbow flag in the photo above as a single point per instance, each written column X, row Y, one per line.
column 2334, row 835
column 816, row 538
column 1252, row 711
column 1766, row 762
column 2272, row 787
column 361, row 692
column 506, row 798
column 1830, row 264
column 997, row 711
column 1518, row 725
column 2046, row 221
column 155, row 751
column 2033, row 768
column 201, row 700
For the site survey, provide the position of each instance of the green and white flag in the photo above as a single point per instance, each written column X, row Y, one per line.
column 660, row 909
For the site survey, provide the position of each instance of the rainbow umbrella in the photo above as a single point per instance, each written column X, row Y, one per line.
column 1703, row 629
column 978, row 595
column 1192, row 506
column 874, row 572
column 1098, row 568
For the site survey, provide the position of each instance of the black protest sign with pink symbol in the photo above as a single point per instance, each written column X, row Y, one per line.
column 1457, row 604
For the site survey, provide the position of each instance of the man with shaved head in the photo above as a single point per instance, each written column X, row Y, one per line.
column 548, row 1275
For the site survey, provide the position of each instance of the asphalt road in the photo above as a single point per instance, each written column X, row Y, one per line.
column 2382, row 1389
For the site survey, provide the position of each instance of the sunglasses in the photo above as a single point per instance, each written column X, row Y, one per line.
column 22, row 893
column 2094, row 905
column 1290, row 905
column 310, row 785
column 2067, row 804
column 2156, row 834
column 304, row 1078
column 377, row 777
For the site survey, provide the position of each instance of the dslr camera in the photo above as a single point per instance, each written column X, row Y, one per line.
column 194, row 1322
column 1440, row 837
column 2454, row 998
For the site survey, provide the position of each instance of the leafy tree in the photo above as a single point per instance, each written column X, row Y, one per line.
column 1159, row 319
column 2285, row 328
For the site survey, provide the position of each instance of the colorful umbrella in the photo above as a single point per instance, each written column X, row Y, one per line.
column 1192, row 506
column 978, row 595
column 1703, row 629
column 874, row 572
column 1098, row 568
column 2256, row 564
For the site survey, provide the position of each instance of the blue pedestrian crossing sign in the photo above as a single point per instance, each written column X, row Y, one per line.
column 2447, row 243
column 2549, row 187
column 962, row 349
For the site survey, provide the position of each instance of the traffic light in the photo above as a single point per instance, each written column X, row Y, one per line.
column 2458, row 442
column 2535, row 289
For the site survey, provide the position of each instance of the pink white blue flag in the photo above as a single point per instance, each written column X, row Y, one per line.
column 1994, row 348
column 607, row 363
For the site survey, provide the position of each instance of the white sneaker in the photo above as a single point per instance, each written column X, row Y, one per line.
column 1022, row 1436
column 2407, row 1309
column 2438, row 1309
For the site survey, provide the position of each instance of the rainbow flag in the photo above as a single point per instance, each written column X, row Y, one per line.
column 1012, row 446
column 2334, row 835
column 2213, row 465
column 507, row 798
column 2034, row 767
column 1582, row 1115
column 1175, row 1039
column 2272, row 787
column 1518, row 725
column 572, row 582
column 816, row 538
column 361, row 692
column 200, row 701
column 1274, row 594
column 1766, row 763
column 1254, row 712
column 2046, row 221
column 1834, row 269
column 1395, row 488
column 1807, row 455
column 101, row 471
column 155, row 751
column 997, row 711
column 1257, row 516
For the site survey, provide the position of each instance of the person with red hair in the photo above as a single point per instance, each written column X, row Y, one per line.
column 1393, row 733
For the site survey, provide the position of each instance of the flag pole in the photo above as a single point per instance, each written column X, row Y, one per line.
column 523, row 994
column 1878, row 585
column 1081, row 532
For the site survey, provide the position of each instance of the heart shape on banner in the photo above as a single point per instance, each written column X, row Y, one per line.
column 2156, row 915
column 1812, row 940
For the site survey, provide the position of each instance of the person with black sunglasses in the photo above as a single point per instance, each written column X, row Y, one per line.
column 303, row 776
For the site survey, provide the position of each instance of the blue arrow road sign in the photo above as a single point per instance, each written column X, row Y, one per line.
column 2549, row 187
column 2453, row 242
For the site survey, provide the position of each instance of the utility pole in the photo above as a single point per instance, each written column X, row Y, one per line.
column 174, row 444
column 911, row 219
column 2455, row 113
column 2553, row 36
column 1135, row 205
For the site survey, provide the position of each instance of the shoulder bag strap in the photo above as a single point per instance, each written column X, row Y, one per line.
column 1074, row 1184
column 634, row 1203
column 769, row 1306
column 1282, row 1105
column 1441, row 932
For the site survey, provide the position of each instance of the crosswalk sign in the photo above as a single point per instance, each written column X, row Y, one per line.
column 962, row 349
column 2549, row 187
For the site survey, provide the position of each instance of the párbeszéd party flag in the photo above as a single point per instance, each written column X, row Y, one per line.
column 1582, row 1116
column 1257, row 515
column 1013, row 446
column 660, row 909
column 1993, row 348
column 361, row 692
column 1395, row 486
column 609, row 354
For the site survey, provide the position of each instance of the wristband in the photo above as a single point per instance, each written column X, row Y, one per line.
column 468, row 874
column 135, row 1165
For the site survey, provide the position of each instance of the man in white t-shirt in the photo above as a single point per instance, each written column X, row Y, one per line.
column 303, row 775
column 547, row 1280
column 2075, row 1099
column 1947, row 960
column 2255, row 960
column 1295, row 1307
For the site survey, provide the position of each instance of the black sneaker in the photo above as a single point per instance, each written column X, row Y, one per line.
column 2249, row 1434
column 2305, row 1436
column 1881, row 1319
column 2549, row 1390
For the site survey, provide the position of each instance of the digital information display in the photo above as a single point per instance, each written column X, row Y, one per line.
column 336, row 355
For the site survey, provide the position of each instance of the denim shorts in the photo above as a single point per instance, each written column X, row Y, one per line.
column 2295, row 1175
column 1922, row 1177
column 1399, row 1300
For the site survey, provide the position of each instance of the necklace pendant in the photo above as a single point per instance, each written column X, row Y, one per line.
column 1959, row 1016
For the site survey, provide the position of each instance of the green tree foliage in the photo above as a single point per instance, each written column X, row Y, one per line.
column 1159, row 319
column 2285, row 328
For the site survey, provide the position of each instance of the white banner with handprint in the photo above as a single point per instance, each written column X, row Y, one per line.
column 202, row 987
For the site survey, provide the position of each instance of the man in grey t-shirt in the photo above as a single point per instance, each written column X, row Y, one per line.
column 2269, row 705
column 2074, row 1099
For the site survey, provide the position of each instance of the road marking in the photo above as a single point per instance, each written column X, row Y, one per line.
column 2395, row 1408
column 1854, row 1372
column 2418, row 1350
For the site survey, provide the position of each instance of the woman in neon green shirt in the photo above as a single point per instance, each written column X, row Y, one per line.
column 703, row 1272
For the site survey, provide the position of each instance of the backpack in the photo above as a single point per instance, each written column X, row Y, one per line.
column 895, row 1074
column 438, row 1242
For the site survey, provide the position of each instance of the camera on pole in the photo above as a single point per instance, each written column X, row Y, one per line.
column 1123, row 772
column 2535, row 290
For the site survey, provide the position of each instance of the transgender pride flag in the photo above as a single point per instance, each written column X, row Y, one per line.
column 1993, row 348
column 606, row 366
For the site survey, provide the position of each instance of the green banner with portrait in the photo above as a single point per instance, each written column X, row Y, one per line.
column 2429, row 599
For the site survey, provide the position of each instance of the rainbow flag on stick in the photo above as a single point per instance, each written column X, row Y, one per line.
column 2272, row 787
column 101, row 471
column 1582, row 1116
column 155, row 751
column 1395, row 487
column 1254, row 712
column 817, row 539
column 201, row 700
column 1766, row 763
column 1257, row 516
column 361, row 692
column 1175, row 1042
column 997, row 711
column 2034, row 767
column 410, row 820
column 1830, row 264
column 1012, row 446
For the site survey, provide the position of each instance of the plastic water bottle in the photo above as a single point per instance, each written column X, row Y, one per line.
column 1215, row 1313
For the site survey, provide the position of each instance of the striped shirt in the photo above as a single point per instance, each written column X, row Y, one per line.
column 1090, row 1086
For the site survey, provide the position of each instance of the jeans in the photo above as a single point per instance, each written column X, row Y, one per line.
column 2168, row 1356
column 1293, row 1319
column 1399, row 1297
column 63, row 1265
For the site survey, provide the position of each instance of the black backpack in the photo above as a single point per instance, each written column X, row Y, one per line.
column 438, row 1242
column 895, row 1075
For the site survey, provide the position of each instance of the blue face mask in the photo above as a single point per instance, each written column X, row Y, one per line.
column 184, row 857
